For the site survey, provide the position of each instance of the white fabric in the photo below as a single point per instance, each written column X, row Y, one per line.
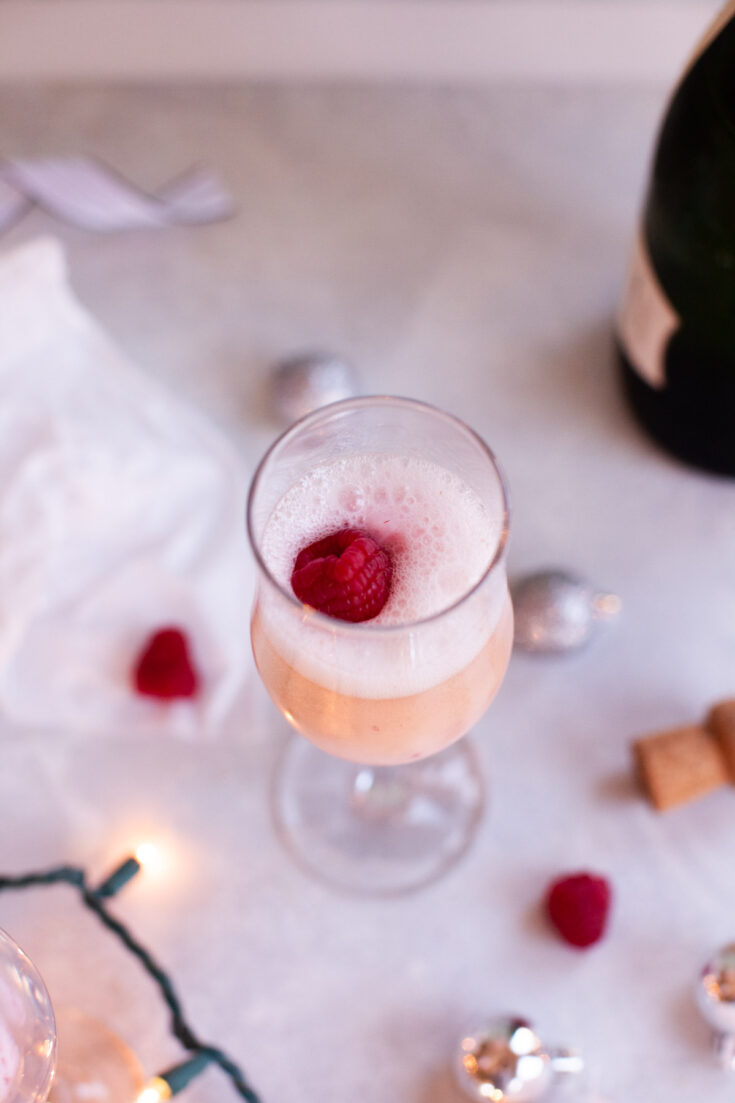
column 120, row 511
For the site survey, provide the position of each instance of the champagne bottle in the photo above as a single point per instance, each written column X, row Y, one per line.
column 676, row 326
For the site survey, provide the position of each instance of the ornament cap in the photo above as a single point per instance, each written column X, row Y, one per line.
column 606, row 606
column 566, row 1062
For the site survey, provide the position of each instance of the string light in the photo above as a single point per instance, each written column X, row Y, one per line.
column 155, row 1091
column 119, row 877
column 150, row 857
column 175, row 1079
column 166, row 1084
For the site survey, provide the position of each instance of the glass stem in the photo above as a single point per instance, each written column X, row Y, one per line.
column 380, row 793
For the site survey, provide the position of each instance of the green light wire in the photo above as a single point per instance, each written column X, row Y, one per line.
column 202, row 1053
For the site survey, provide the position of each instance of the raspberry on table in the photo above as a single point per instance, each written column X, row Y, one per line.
column 578, row 905
column 164, row 667
column 346, row 575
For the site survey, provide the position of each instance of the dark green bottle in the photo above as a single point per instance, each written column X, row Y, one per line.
column 676, row 328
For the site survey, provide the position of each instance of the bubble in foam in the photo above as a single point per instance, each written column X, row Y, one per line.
column 352, row 499
column 440, row 535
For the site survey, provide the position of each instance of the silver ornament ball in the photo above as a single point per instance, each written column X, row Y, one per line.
column 715, row 993
column 558, row 611
column 504, row 1060
column 308, row 381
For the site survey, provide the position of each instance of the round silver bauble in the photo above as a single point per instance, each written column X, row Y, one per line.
column 557, row 611
column 504, row 1061
column 308, row 381
column 715, row 993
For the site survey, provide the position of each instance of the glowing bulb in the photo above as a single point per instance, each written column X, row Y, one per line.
column 155, row 1091
column 150, row 858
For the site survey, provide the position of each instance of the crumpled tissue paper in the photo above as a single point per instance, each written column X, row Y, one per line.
column 121, row 511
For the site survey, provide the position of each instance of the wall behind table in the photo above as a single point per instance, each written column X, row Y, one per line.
column 446, row 41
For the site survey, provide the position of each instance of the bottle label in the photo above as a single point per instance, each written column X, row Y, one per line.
column 647, row 319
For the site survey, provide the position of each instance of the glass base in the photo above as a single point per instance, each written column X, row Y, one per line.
column 94, row 1065
column 377, row 830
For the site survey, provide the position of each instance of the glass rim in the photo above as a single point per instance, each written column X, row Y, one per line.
column 328, row 411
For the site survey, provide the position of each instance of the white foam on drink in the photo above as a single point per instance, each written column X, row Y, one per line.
column 441, row 536
column 438, row 532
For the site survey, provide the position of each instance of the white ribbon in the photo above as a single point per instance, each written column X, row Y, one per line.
column 92, row 196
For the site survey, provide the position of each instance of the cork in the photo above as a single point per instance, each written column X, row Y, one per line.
column 721, row 722
column 679, row 765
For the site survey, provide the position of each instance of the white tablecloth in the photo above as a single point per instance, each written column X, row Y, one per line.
column 466, row 248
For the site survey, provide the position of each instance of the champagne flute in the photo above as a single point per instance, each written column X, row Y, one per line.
column 84, row 1060
column 396, row 799
column 27, row 1028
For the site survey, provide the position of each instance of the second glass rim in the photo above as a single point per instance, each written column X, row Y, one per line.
column 322, row 413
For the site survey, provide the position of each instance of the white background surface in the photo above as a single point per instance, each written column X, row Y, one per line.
column 466, row 248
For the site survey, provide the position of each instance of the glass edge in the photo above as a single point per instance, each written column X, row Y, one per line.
column 324, row 412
